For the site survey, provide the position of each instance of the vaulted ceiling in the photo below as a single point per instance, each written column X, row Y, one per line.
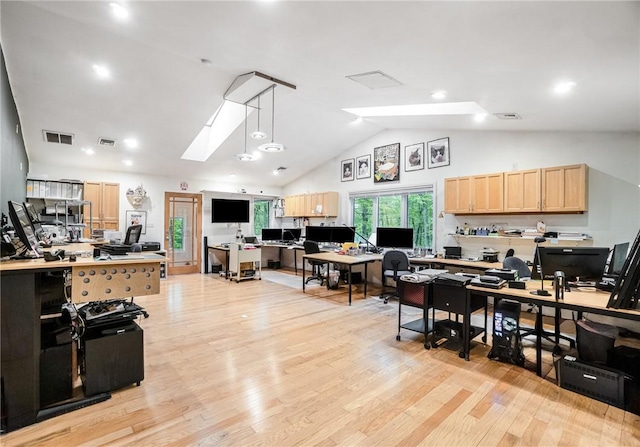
column 506, row 56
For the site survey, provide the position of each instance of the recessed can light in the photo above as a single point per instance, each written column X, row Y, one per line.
column 131, row 142
column 89, row 151
column 479, row 117
column 440, row 94
column 127, row 162
column 564, row 87
column 119, row 11
column 101, row 71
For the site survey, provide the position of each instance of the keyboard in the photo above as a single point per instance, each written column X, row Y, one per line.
column 116, row 249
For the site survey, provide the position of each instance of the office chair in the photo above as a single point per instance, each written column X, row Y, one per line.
column 513, row 263
column 311, row 247
column 133, row 234
column 395, row 263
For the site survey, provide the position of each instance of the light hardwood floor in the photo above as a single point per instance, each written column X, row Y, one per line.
column 260, row 363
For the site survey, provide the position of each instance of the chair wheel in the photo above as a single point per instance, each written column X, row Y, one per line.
column 427, row 345
column 557, row 350
column 386, row 301
column 484, row 339
column 461, row 354
column 398, row 337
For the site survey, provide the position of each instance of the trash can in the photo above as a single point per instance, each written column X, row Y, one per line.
column 333, row 277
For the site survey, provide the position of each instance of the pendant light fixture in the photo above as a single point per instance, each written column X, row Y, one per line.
column 272, row 147
column 244, row 156
column 258, row 134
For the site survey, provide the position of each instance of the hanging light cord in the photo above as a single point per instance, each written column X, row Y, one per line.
column 273, row 108
column 246, row 115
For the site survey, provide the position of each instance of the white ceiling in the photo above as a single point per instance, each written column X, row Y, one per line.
column 504, row 55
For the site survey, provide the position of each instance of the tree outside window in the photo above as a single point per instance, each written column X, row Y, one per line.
column 260, row 216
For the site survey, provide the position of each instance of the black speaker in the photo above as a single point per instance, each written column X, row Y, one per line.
column 596, row 381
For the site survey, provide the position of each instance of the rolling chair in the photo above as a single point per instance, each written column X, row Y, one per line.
column 395, row 263
column 513, row 263
column 311, row 247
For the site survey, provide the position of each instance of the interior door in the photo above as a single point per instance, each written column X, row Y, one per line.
column 183, row 231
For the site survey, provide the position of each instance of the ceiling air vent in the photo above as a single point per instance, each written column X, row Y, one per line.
column 375, row 80
column 57, row 137
column 109, row 142
column 508, row 116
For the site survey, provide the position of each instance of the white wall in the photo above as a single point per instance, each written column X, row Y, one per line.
column 156, row 186
column 614, row 176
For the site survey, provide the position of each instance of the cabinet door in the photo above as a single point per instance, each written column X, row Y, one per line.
column 111, row 202
column 93, row 194
column 288, row 206
column 330, row 204
column 564, row 189
column 488, row 193
column 451, row 195
column 522, row 191
column 457, row 195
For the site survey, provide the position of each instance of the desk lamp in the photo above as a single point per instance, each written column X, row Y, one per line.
column 540, row 291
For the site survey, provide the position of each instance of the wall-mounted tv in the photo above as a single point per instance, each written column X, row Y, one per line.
column 229, row 211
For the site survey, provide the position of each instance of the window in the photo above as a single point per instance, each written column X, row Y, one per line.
column 260, row 216
column 177, row 233
column 399, row 208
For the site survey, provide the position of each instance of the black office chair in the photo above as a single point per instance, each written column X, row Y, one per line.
column 311, row 247
column 395, row 263
column 513, row 263
column 133, row 234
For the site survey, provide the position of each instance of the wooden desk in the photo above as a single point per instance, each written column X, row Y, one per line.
column 478, row 266
column 20, row 308
column 334, row 258
column 583, row 300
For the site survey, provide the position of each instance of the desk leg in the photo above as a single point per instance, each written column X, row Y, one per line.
column 226, row 259
column 206, row 255
column 349, row 284
column 303, row 281
column 466, row 326
column 365, row 279
column 295, row 261
column 539, row 342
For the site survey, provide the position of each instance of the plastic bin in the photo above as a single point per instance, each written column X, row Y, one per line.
column 333, row 278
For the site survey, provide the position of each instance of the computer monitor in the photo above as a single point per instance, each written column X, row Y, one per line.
column 394, row 237
column 133, row 234
column 583, row 263
column 291, row 234
column 24, row 231
column 318, row 233
column 272, row 234
column 34, row 218
column 618, row 256
column 340, row 235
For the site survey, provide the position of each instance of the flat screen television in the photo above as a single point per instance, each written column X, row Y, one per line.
column 291, row 234
column 24, row 231
column 340, row 235
column 271, row 234
column 583, row 263
column 229, row 211
column 618, row 256
column 318, row 233
column 394, row 237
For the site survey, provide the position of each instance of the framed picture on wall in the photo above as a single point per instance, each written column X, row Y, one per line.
column 347, row 170
column 438, row 153
column 414, row 157
column 363, row 166
column 135, row 217
column 386, row 163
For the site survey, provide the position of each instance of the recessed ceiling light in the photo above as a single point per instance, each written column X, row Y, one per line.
column 479, row 117
column 127, row 162
column 276, row 172
column 564, row 87
column 88, row 151
column 440, row 94
column 119, row 11
column 444, row 108
column 101, row 71
column 233, row 174
column 131, row 142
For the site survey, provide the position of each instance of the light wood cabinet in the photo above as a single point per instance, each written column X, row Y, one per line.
column 105, row 209
column 522, row 191
column 312, row 205
column 564, row 188
column 478, row 194
column 561, row 189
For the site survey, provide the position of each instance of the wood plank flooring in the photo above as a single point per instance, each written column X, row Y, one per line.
column 262, row 364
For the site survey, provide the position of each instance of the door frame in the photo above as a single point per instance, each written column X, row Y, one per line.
column 196, row 267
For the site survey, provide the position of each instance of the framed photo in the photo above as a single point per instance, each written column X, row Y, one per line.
column 386, row 163
column 438, row 153
column 363, row 166
column 347, row 170
column 414, row 157
column 135, row 217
